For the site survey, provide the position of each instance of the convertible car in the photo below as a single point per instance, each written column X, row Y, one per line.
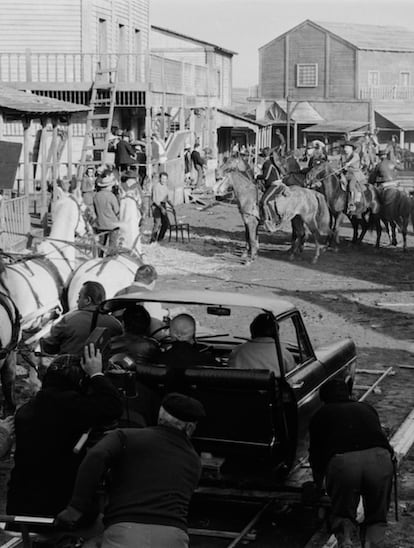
column 256, row 418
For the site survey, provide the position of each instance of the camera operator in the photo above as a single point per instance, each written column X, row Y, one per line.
column 75, row 397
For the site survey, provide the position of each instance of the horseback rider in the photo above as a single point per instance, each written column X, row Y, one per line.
column 354, row 179
column 383, row 176
column 272, row 179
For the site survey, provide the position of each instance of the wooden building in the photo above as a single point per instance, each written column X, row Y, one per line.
column 53, row 49
column 345, row 71
column 181, row 47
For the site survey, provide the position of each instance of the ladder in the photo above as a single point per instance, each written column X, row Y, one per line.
column 99, row 119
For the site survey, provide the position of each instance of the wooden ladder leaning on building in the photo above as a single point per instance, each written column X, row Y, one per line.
column 98, row 123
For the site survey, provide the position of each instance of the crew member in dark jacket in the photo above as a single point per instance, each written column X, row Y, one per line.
column 154, row 472
column 124, row 153
column 350, row 450
column 73, row 399
column 198, row 164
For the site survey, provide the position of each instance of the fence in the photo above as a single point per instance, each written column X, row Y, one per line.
column 14, row 223
column 402, row 93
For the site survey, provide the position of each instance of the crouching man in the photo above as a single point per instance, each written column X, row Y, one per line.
column 350, row 450
column 154, row 472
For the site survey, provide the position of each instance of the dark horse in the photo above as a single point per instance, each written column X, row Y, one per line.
column 238, row 175
column 366, row 214
column 396, row 210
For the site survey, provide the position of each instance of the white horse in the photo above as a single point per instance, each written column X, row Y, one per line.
column 35, row 283
column 114, row 272
column 31, row 287
column 130, row 217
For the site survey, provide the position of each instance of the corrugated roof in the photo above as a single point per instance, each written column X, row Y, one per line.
column 196, row 40
column 337, row 126
column 399, row 114
column 302, row 112
column 28, row 103
column 372, row 37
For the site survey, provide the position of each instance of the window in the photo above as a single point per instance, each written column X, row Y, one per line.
column 373, row 78
column 307, row 75
column 405, row 78
column 293, row 338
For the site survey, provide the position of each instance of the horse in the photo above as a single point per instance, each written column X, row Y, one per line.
column 130, row 216
column 117, row 270
column 35, row 282
column 238, row 175
column 303, row 207
column 396, row 210
column 32, row 285
column 326, row 180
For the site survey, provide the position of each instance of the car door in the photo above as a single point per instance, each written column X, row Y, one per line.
column 308, row 372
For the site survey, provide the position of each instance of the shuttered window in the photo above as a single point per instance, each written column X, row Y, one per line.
column 307, row 75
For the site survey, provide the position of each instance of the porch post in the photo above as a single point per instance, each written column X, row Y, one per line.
column 1, row 125
column 401, row 138
column 43, row 182
column 27, row 122
column 70, row 144
column 54, row 155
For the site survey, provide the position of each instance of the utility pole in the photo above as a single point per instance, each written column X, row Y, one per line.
column 287, row 122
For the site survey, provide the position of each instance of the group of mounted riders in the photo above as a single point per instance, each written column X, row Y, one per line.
column 356, row 169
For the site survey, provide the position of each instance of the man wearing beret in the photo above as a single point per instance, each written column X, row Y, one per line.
column 154, row 472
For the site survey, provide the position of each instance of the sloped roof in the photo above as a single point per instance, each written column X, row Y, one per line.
column 399, row 114
column 301, row 112
column 364, row 37
column 237, row 117
column 337, row 126
column 22, row 102
column 372, row 37
column 191, row 39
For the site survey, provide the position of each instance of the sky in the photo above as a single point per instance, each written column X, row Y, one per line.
column 245, row 25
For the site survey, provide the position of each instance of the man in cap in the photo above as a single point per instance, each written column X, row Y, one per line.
column 154, row 472
column 354, row 178
column 350, row 450
column 160, row 200
column 107, row 211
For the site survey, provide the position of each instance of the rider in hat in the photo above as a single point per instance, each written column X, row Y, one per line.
column 383, row 175
column 354, row 178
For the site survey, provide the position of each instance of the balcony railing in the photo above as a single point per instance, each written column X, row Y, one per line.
column 160, row 74
column 402, row 93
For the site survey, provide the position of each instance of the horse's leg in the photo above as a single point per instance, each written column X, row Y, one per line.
column 379, row 231
column 252, row 224
column 8, row 381
column 393, row 233
column 404, row 228
column 364, row 228
column 354, row 223
column 298, row 236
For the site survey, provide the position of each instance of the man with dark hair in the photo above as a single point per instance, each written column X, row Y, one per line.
column 160, row 200
column 69, row 334
column 350, row 450
column 260, row 351
column 75, row 397
column 198, row 164
column 124, row 153
column 140, row 347
column 154, row 472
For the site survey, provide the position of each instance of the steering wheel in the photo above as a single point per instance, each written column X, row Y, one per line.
column 158, row 330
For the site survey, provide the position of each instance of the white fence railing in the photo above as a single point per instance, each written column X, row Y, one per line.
column 14, row 223
column 402, row 93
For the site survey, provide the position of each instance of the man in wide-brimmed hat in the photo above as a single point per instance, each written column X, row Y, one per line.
column 107, row 211
column 354, row 178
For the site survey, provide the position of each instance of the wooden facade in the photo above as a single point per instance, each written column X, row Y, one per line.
column 346, row 62
column 168, row 43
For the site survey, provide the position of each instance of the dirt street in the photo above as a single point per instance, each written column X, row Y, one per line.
column 360, row 292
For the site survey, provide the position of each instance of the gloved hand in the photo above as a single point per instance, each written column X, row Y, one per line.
column 68, row 517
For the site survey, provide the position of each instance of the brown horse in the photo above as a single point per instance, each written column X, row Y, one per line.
column 302, row 207
column 238, row 175
column 325, row 179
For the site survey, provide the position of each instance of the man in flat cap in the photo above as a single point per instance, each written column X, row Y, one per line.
column 154, row 472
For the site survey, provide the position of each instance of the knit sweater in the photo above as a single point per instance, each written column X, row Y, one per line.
column 154, row 472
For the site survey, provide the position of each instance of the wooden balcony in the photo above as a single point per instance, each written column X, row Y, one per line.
column 76, row 71
column 387, row 93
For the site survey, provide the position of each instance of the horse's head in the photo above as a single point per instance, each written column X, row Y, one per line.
column 69, row 215
column 315, row 177
column 236, row 162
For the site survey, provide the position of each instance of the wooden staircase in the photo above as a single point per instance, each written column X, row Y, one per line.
column 99, row 120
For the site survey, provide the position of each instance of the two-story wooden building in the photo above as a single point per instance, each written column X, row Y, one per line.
column 341, row 69
column 53, row 48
